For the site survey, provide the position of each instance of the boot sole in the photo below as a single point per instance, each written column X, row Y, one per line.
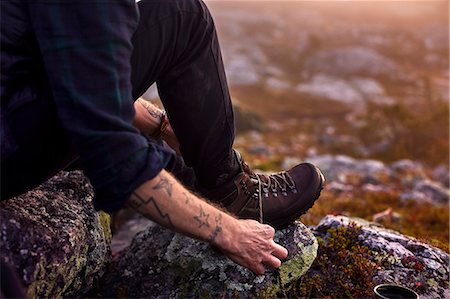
column 312, row 195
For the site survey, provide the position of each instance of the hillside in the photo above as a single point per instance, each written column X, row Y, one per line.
column 367, row 79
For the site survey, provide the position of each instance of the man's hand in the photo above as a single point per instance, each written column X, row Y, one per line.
column 252, row 246
column 246, row 242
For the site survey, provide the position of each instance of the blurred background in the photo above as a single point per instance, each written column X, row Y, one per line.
column 361, row 88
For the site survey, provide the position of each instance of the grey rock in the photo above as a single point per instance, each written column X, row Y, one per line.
column 340, row 168
column 441, row 174
column 351, row 61
column 409, row 171
column 356, row 91
column 54, row 237
column 337, row 187
column 415, row 196
column 435, row 191
column 403, row 260
column 331, row 88
column 163, row 264
column 427, row 191
column 407, row 176
column 247, row 120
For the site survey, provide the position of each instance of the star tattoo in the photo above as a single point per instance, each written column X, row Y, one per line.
column 202, row 218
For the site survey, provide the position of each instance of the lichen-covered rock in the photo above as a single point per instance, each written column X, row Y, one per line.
column 163, row 264
column 403, row 260
column 54, row 237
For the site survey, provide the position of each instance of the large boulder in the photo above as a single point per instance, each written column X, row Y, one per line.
column 163, row 264
column 402, row 260
column 54, row 238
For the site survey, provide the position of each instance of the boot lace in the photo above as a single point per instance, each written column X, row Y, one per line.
column 278, row 181
column 268, row 183
column 265, row 184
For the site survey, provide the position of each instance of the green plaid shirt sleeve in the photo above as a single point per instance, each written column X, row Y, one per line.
column 86, row 49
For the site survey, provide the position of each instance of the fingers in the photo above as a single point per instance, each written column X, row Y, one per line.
column 279, row 251
column 255, row 248
column 272, row 262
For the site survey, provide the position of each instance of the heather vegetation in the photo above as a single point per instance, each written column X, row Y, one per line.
column 343, row 268
column 366, row 80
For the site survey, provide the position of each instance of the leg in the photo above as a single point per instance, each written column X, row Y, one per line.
column 176, row 46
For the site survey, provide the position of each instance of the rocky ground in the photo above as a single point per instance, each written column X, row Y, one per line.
column 360, row 90
column 60, row 247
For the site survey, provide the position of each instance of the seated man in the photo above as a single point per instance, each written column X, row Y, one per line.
column 70, row 72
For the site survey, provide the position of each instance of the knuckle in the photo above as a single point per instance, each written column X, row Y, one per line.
column 269, row 230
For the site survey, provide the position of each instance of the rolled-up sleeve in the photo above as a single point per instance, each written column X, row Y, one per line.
column 86, row 49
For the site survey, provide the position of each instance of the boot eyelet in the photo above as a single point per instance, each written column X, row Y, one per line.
column 294, row 191
column 284, row 193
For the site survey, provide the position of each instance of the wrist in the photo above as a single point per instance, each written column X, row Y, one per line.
column 162, row 126
column 225, row 232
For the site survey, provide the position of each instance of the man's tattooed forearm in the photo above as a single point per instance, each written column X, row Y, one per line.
column 138, row 202
column 164, row 184
column 153, row 112
column 218, row 228
column 202, row 218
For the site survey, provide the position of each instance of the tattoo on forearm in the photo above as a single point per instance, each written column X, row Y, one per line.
column 140, row 201
column 218, row 228
column 153, row 112
column 187, row 198
column 202, row 218
column 164, row 184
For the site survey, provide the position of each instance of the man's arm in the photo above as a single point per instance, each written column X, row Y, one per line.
column 246, row 242
column 148, row 121
column 85, row 48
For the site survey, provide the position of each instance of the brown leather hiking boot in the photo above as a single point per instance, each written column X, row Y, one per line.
column 276, row 199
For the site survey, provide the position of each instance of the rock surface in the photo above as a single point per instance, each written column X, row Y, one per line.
column 54, row 237
column 162, row 264
column 406, row 177
column 404, row 260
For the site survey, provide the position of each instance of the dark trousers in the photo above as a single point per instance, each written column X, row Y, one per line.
column 175, row 46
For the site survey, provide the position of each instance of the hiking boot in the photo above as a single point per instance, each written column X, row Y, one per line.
column 276, row 199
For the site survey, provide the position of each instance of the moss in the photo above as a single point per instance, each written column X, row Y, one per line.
column 182, row 272
column 105, row 222
column 343, row 268
column 46, row 281
column 298, row 266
